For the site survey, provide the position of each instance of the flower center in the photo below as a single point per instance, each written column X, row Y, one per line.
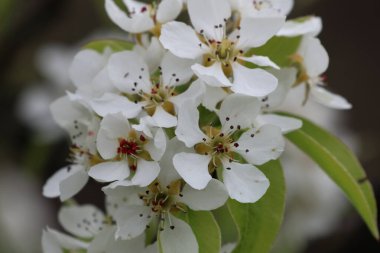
column 224, row 52
column 127, row 147
column 159, row 96
column 163, row 200
column 217, row 145
column 132, row 147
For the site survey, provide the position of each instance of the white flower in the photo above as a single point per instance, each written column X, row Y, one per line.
column 124, row 150
column 287, row 78
column 314, row 60
column 154, row 94
column 220, row 148
column 222, row 54
column 159, row 200
column 82, row 126
column 304, row 26
column 89, row 74
column 151, row 51
column 262, row 7
column 95, row 230
column 142, row 17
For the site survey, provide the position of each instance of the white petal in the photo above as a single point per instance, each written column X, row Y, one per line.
column 164, row 119
column 71, row 185
column 82, row 221
column 145, row 125
column 168, row 173
column 85, row 66
column 116, row 125
column 119, row 194
column 168, row 10
column 111, row 103
column 153, row 248
column 212, row 96
column 153, row 54
column 286, row 124
column 261, row 146
column 128, row 72
column 312, row 26
column 194, row 92
column 179, row 239
column 253, row 82
column 105, row 242
column 206, row 14
column 212, row 75
column 109, row 171
column 107, row 147
column 181, row 40
column 49, row 243
column 157, row 146
column 244, row 182
column 65, row 241
column 175, row 70
column 100, row 84
column 237, row 109
column 257, row 31
column 51, row 187
column 210, row 198
column 138, row 23
column 132, row 221
column 187, row 128
column 101, row 241
column 282, row 6
column 193, row 168
column 286, row 78
column 261, row 61
column 146, row 173
column 113, row 127
column 65, row 112
column 316, row 59
column 329, row 99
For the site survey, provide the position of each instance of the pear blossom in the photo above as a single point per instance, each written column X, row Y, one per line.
column 141, row 17
column 151, row 51
column 89, row 74
column 82, row 125
column 222, row 55
column 287, row 78
column 313, row 60
column 310, row 25
column 127, row 152
column 160, row 201
column 95, row 230
column 95, row 90
column 218, row 148
column 156, row 95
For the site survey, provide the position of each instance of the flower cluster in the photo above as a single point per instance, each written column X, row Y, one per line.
column 179, row 123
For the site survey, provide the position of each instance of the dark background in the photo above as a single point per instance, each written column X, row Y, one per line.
column 351, row 36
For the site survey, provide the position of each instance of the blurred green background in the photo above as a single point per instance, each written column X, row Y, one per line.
column 35, row 34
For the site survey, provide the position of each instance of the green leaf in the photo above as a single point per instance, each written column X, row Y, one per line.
column 206, row 231
column 339, row 162
column 226, row 224
column 259, row 223
column 278, row 49
column 115, row 45
column 207, row 117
